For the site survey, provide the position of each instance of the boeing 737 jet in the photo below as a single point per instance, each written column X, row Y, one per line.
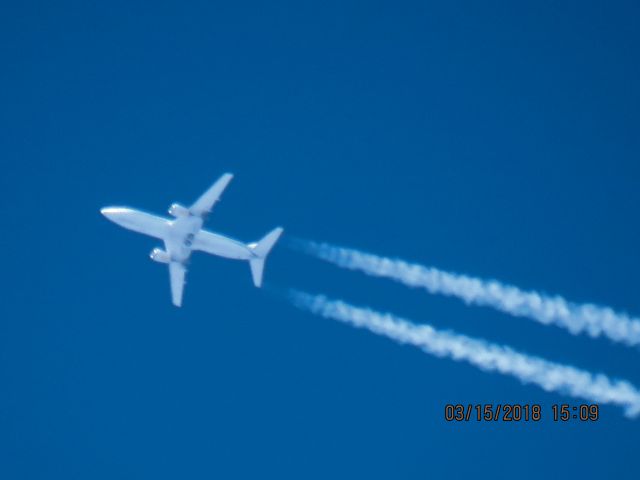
column 184, row 234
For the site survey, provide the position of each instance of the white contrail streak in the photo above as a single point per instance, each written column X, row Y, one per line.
column 577, row 318
column 552, row 377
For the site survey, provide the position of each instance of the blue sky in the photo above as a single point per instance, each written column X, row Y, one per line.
column 498, row 140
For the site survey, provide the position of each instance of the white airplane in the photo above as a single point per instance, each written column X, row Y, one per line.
column 185, row 234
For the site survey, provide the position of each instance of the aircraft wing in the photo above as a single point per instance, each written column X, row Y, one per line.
column 205, row 203
column 177, row 273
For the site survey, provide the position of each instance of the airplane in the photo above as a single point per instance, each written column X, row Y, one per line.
column 184, row 233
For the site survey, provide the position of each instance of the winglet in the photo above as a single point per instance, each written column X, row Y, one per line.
column 261, row 249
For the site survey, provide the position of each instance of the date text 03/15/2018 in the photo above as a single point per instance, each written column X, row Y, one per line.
column 514, row 412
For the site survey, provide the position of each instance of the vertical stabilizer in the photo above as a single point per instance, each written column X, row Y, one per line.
column 261, row 249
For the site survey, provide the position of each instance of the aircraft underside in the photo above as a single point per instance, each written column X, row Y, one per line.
column 184, row 234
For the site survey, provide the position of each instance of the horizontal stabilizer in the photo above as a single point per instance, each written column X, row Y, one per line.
column 261, row 249
column 257, row 267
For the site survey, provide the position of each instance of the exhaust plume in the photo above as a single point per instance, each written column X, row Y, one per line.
column 550, row 376
column 591, row 319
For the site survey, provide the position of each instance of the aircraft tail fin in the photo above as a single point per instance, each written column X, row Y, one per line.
column 261, row 249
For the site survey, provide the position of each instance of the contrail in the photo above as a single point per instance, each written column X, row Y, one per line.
column 587, row 318
column 552, row 377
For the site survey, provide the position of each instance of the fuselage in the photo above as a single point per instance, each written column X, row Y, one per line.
column 181, row 235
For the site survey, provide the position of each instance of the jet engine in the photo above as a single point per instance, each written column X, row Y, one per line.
column 177, row 210
column 160, row 256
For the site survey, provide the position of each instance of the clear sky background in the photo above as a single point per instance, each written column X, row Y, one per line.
column 494, row 139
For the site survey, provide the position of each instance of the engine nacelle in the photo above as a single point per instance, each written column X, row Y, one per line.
column 177, row 210
column 160, row 256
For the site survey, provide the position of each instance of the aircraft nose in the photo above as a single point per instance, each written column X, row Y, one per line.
column 106, row 211
column 110, row 212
